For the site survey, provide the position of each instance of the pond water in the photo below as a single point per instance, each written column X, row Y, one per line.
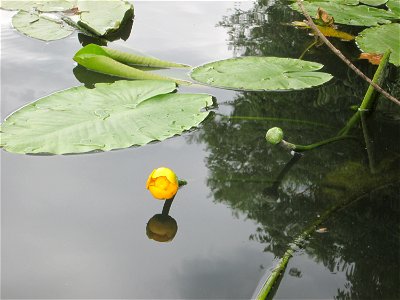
column 74, row 226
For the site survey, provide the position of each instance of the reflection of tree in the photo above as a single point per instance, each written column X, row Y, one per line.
column 363, row 239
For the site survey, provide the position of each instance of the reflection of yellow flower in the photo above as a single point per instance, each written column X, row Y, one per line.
column 162, row 183
column 161, row 228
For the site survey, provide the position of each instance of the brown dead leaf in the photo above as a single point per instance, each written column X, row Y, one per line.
column 322, row 230
column 373, row 58
column 324, row 19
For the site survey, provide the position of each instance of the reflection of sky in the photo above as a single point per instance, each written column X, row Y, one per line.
column 74, row 226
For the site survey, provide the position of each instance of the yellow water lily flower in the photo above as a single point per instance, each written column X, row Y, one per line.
column 162, row 183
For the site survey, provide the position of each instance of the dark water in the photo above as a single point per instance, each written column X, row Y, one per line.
column 75, row 226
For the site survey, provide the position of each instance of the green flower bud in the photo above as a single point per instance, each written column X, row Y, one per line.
column 274, row 135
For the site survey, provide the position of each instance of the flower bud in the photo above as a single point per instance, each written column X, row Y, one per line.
column 274, row 135
column 162, row 183
column 161, row 228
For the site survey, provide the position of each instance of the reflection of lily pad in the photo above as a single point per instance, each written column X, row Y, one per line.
column 379, row 39
column 261, row 73
column 359, row 15
column 40, row 27
column 110, row 116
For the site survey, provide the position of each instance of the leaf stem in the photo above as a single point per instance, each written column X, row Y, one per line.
column 302, row 148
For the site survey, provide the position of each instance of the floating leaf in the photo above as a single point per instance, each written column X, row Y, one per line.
column 261, row 73
column 40, row 26
column 333, row 32
column 96, row 58
column 97, row 17
column 394, row 6
column 110, row 116
column 103, row 17
column 43, row 6
column 360, row 15
column 373, row 58
column 381, row 38
column 374, row 2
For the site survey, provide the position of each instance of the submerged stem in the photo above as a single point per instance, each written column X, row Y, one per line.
column 299, row 241
column 308, row 48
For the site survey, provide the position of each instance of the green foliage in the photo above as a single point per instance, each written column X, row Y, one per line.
column 360, row 15
column 128, row 58
column 374, row 2
column 97, row 17
column 261, row 73
column 104, row 60
column 381, row 38
column 40, row 27
column 110, row 116
column 39, row 5
column 394, row 6
column 103, row 17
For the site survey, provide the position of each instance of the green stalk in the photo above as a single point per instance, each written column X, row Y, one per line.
column 302, row 148
column 308, row 48
column 368, row 144
column 370, row 97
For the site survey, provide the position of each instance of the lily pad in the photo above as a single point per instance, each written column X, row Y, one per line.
column 359, row 15
column 43, row 6
column 374, row 2
column 103, row 17
column 379, row 39
column 40, row 26
column 100, row 59
column 110, row 116
column 394, row 6
column 261, row 73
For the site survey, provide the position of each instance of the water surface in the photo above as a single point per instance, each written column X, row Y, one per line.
column 74, row 226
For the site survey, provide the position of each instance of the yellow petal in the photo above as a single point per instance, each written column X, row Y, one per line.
column 167, row 173
column 149, row 180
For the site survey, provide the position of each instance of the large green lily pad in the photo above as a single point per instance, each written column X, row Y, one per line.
column 40, row 27
column 97, row 17
column 374, row 2
column 40, row 5
column 103, row 17
column 110, row 116
column 261, row 73
column 359, row 15
column 379, row 39
column 394, row 6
